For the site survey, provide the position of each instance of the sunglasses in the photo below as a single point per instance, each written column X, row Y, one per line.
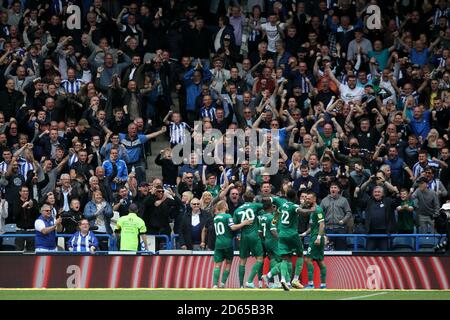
column 189, row 177
column 195, row 204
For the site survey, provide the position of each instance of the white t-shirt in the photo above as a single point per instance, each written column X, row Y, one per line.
column 195, row 220
column 272, row 34
column 39, row 225
column 349, row 95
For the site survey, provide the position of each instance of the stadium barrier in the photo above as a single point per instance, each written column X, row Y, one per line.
column 176, row 269
column 8, row 240
column 357, row 242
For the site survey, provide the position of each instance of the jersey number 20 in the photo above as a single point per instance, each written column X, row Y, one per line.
column 248, row 215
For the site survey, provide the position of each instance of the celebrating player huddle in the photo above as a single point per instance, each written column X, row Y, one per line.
column 270, row 228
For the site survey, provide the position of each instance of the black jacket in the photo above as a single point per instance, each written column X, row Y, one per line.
column 169, row 170
column 46, row 145
column 389, row 205
column 185, row 235
column 157, row 219
column 10, row 103
column 197, row 188
column 25, row 217
column 70, row 220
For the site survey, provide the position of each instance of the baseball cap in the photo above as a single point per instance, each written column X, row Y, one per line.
column 226, row 37
column 446, row 206
column 326, row 58
column 84, row 123
column 143, row 184
column 358, row 30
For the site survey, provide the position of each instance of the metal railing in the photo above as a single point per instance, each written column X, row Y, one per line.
column 112, row 241
column 391, row 236
column 170, row 242
column 357, row 242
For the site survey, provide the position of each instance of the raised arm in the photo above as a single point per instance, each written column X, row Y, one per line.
column 156, row 134
column 258, row 121
column 292, row 144
column 166, row 118
column 331, row 76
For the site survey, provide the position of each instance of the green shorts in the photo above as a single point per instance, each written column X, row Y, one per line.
column 290, row 245
column 251, row 246
column 316, row 252
column 223, row 254
column 272, row 249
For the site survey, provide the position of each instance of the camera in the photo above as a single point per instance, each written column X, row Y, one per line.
column 442, row 247
column 442, row 225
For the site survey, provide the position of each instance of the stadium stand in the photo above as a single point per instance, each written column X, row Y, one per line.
column 93, row 117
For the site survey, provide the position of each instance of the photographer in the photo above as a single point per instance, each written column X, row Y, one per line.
column 442, row 223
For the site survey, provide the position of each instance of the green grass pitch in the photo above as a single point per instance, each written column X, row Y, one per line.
column 219, row 294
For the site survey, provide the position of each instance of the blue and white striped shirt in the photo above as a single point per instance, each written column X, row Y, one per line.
column 25, row 167
column 177, row 132
column 438, row 14
column 73, row 158
column 229, row 173
column 72, row 87
column 418, row 168
column 3, row 167
column 208, row 113
column 81, row 243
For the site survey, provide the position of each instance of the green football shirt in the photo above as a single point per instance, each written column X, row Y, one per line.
column 288, row 219
column 213, row 190
column 248, row 211
column 224, row 234
column 265, row 225
column 315, row 219
column 131, row 226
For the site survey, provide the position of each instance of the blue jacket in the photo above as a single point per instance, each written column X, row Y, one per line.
column 193, row 90
column 122, row 172
column 91, row 209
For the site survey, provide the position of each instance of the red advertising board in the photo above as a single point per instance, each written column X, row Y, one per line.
column 184, row 271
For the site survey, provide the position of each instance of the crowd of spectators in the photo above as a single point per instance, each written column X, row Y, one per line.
column 362, row 114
